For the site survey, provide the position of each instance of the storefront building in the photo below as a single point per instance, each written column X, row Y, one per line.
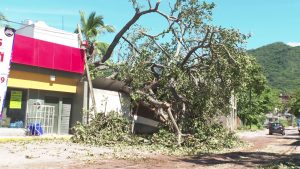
column 45, row 80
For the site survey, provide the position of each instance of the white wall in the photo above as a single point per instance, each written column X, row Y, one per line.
column 107, row 101
column 230, row 121
column 40, row 30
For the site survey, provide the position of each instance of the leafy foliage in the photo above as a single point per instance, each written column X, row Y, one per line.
column 280, row 64
column 115, row 130
column 255, row 98
column 295, row 104
column 103, row 130
column 189, row 71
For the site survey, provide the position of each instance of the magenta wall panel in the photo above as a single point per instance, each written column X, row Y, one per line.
column 44, row 51
column 34, row 52
column 62, row 57
column 77, row 60
column 23, row 50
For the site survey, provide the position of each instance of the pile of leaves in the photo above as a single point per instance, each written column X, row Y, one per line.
column 113, row 129
column 103, row 130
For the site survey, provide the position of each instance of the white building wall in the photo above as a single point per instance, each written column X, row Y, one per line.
column 40, row 30
column 108, row 101
column 230, row 121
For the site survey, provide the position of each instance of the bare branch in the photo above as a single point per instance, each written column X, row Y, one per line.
column 158, row 65
column 169, row 18
column 149, row 3
column 201, row 45
column 178, row 49
column 158, row 45
column 228, row 53
column 178, row 132
column 132, row 45
column 189, row 54
column 162, row 114
column 180, row 40
column 174, row 92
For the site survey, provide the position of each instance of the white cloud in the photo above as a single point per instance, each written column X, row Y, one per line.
column 293, row 44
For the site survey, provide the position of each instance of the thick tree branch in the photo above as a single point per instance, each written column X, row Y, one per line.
column 201, row 45
column 167, row 107
column 119, row 35
column 155, row 102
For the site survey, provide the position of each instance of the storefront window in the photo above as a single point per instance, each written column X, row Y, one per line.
column 13, row 115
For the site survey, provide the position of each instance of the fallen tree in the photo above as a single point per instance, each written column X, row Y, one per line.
column 187, row 72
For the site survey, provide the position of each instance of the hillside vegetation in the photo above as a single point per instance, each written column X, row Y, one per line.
column 281, row 65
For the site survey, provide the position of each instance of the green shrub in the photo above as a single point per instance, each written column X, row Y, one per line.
column 164, row 138
column 284, row 122
column 103, row 130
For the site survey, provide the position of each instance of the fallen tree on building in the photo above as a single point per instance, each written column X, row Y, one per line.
column 186, row 73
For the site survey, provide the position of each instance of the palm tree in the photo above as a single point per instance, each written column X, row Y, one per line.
column 91, row 28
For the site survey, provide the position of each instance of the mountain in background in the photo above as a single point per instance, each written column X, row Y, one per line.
column 281, row 65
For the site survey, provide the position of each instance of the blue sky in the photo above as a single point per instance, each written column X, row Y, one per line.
column 267, row 20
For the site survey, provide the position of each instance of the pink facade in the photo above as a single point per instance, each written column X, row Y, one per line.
column 39, row 53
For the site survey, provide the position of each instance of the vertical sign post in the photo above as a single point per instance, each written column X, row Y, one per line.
column 6, row 42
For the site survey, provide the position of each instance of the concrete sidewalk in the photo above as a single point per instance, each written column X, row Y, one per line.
column 12, row 132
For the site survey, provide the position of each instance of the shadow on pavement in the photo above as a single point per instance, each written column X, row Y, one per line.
column 295, row 143
column 244, row 159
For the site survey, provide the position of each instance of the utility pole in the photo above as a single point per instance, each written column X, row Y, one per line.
column 93, row 108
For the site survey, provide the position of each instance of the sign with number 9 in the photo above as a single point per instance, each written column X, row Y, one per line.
column 6, row 42
column 2, row 79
